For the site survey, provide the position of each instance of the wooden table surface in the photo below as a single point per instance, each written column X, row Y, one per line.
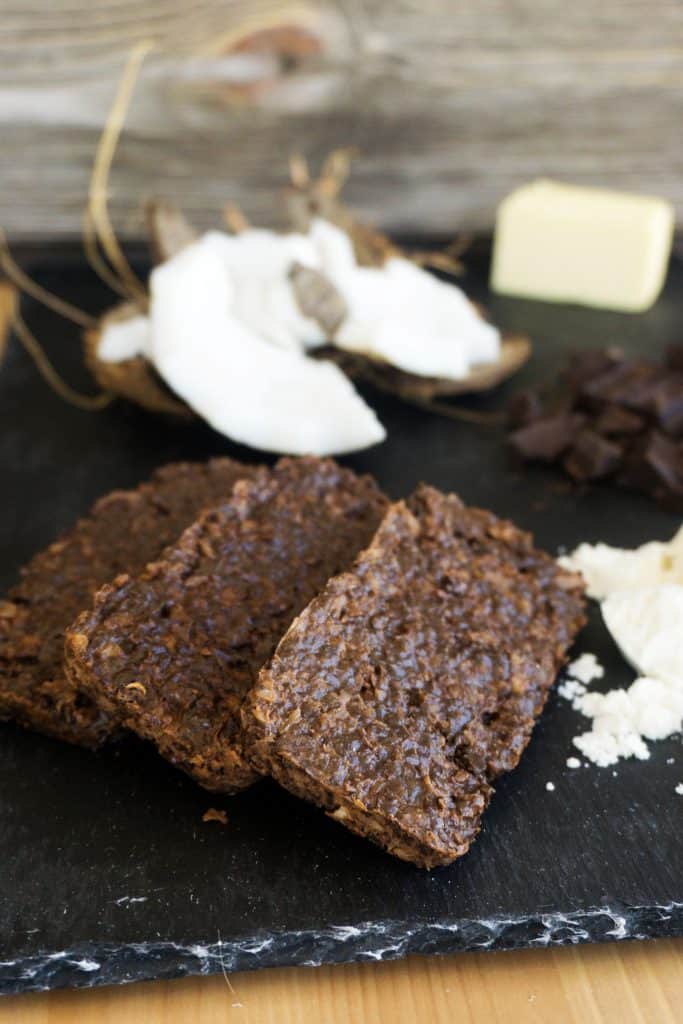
column 625, row 982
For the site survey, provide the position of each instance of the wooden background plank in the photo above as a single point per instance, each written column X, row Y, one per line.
column 624, row 983
column 451, row 103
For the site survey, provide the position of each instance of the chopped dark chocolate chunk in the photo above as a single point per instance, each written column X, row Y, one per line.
column 614, row 420
column 664, row 458
column 592, row 456
column 674, row 357
column 631, row 422
column 587, row 365
column 667, row 404
column 631, row 384
column 524, row 408
column 636, row 471
column 548, row 438
column 655, row 465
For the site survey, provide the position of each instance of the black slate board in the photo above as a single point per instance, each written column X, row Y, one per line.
column 108, row 872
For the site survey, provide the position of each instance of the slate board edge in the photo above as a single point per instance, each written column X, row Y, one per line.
column 91, row 964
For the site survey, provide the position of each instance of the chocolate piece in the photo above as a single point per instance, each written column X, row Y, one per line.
column 415, row 679
column 664, row 459
column 655, row 465
column 630, row 384
column 674, row 357
column 588, row 365
column 546, row 439
column 122, row 532
column 523, row 408
column 614, row 420
column 631, row 422
column 667, row 404
column 636, row 472
column 592, row 457
column 174, row 651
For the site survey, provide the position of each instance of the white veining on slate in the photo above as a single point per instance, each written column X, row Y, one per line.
column 620, row 927
column 107, row 964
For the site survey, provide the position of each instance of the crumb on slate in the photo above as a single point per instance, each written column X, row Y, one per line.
column 214, row 814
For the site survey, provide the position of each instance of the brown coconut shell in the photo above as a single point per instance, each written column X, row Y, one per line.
column 134, row 379
column 168, row 229
column 515, row 352
column 8, row 305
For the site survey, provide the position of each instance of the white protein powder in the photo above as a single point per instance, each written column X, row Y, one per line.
column 642, row 603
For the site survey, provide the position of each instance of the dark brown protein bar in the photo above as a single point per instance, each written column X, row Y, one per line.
column 174, row 651
column 413, row 680
column 122, row 532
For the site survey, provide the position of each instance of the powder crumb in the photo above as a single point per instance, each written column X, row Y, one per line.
column 573, row 762
column 671, row 760
column 605, row 748
column 606, row 569
column 213, row 814
column 623, row 719
column 641, row 596
column 586, row 668
column 550, row 786
column 614, row 774
column 679, row 788
column 571, row 689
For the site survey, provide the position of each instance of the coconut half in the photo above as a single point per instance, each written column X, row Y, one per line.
column 130, row 376
column 248, row 389
column 259, row 262
column 381, row 317
column 401, row 315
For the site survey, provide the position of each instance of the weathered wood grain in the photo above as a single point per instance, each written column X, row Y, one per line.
column 450, row 103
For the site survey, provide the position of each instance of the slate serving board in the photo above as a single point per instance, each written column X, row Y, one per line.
column 108, row 872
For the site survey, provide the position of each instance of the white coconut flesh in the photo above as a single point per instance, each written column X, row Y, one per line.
column 248, row 389
column 258, row 263
column 124, row 339
column 403, row 315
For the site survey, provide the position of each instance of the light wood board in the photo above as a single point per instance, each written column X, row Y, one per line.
column 620, row 983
